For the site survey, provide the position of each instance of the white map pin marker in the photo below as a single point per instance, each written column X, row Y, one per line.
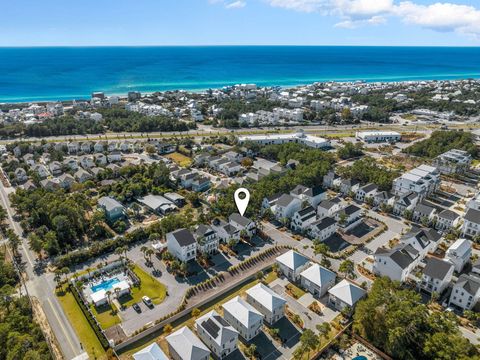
column 242, row 203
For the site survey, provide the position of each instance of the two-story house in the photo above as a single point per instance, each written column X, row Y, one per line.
column 207, row 239
column 182, row 245
column 243, row 317
column 459, row 253
column 267, row 302
column 317, row 280
column 219, row 336
column 436, row 275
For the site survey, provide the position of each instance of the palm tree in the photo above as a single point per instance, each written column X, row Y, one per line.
column 119, row 252
column 144, row 249
column 149, row 254
column 109, row 294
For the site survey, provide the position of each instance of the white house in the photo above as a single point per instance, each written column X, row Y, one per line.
column 422, row 180
column 151, row 352
column 206, row 238
column 243, row 317
column 219, row 336
column 396, row 263
column 423, row 213
column 424, row 240
column 182, row 244
column 302, row 219
column 471, row 223
column 267, row 302
column 291, row 264
column 345, row 294
column 324, row 228
column 447, row 220
column 312, row 195
column 453, row 162
column 242, row 223
column 317, row 280
column 459, row 253
column 365, row 192
column 285, row 206
column 329, row 207
column 436, row 275
column 183, row 344
column 466, row 292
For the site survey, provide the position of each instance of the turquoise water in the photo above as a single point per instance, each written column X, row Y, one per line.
column 105, row 285
column 361, row 357
column 56, row 73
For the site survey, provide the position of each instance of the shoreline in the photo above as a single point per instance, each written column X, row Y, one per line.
column 260, row 84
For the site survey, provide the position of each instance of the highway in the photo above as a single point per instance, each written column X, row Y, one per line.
column 41, row 286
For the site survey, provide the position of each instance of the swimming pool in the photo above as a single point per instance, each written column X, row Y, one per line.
column 105, row 285
column 360, row 357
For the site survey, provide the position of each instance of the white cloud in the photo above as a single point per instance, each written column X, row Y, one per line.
column 353, row 13
column 236, row 5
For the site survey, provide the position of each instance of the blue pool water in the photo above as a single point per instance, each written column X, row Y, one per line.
column 105, row 285
column 62, row 73
column 361, row 357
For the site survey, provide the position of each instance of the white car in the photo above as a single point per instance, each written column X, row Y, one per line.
column 147, row 301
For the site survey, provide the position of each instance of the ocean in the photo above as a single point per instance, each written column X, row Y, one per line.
column 65, row 73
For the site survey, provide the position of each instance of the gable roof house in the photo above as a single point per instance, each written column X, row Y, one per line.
column 436, row 275
column 267, row 302
column 329, row 207
column 292, row 263
column 405, row 201
column 182, row 244
column 302, row 219
column 157, row 203
column 150, row 352
column 82, row 175
column 423, row 213
column 207, row 239
column 347, row 185
column 465, row 292
column 366, row 191
column 384, row 197
column 243, row 317
column 312, row 195
column 322, row 229
column 242, row 223
column 422, row 239
column 471, row 223
column 113, row 209
column 219, row 336
column 396, row 263
column 184, row 345
column 459, row 253
column 447, row 220
column 285, row 207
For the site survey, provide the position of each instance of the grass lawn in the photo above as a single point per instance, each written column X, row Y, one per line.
column 271, row 277
column 106, row 315
column 87, row 337
column 150, row 287
column 295, row 291
column 180, row 159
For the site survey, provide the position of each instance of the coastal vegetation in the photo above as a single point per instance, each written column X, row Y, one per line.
column 20, row 336
column 367, row 170
column 395, row 320
column 442, row 141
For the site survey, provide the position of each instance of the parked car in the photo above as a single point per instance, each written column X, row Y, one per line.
column 136, row 307
column 147, row 301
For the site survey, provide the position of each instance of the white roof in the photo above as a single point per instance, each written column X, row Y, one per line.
column 378, row 133
column 245, row 313
column 461, row 246
column 187, row 345
column 151, row 352
column 122, row 285
column 266, row 296
column 318, row 275
column 292, row 259
column 98, row 296
column 347, row 292
column 218, row 329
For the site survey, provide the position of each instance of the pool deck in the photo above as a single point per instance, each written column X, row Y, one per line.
column 88, row 291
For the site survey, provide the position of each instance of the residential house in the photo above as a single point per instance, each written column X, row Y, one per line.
column 55, row 168
column 20, row 175
column 422, row 239
column 459, row 253
column 243, row 317
column 182, row 244
column 366, row 192
column 423, row 213
column 86, row 147
column 396, row 263
column 422, row 180
column 177, row 199
column 385, row 198
column 267, row 302
column 328, row 208
column 349, row 185
column 50, row 184
column 324, row 228
column 344, row 294
column 285, row 206
column 29, row 159
column 331, row 180
column 87, row 162
column 73, row 147
column 291, row 264
column 82, row 175
column 71, row 163
column 158, row 204
column 471, row 223
column 201, row 184
column 219, row 336
column 98, row 147
column 183, row 344
column 465, row 292
column 303, row 219
column 436, row 275
column 113, row 209
column 41, row 170
column 317, row 280
column 207, row 239
column 349, row 216
column 243, row 224
column 405, row 202
column 311, row 195
column 114, row 156
column 101, row 159
column 453, row 162
column 447, row 220
column 66, row 181
column 150, row 352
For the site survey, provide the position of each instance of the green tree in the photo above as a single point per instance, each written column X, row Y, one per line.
column 347, row 267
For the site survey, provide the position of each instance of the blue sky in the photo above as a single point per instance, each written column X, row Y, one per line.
column 237, row 22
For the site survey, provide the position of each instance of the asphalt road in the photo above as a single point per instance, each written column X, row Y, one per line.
column 41, row 286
